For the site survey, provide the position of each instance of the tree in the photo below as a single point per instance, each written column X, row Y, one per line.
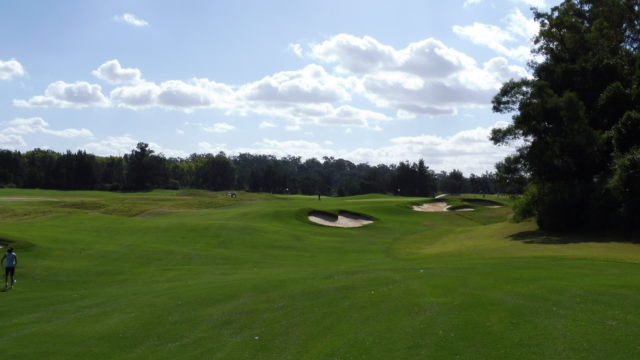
column 570, row 112
column 144, row 170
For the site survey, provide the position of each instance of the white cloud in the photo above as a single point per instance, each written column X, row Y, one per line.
column 354, row 54
column 311, row 84
column 180, row 132
column 503, row 71
column 514, row 41
column 425, row 78
column 20, row 126
column 120, row 145
column 219, row 128
column 494, row 38
column 296, row 49
column 77, row 95
column 522, row 26
column 112, row 72
column 471, row 2
column 113, row 145
column 175, row 95
column 131, row 20
column 534, row 3
column 295, row 127
column 212, row 149
column 470, row 151
column 266, row 125
column 10, row 68
column 302, row 148
column 11, row 141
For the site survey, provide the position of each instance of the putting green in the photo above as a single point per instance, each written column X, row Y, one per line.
column 193, row 274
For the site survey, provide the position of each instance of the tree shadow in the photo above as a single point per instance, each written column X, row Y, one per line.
column 541, row 237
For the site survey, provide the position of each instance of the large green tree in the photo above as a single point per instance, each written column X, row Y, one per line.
column 578, row 116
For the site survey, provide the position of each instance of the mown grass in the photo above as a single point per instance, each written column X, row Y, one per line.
column 193, row 275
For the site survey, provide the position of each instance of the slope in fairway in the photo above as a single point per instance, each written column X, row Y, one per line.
column 192, row 275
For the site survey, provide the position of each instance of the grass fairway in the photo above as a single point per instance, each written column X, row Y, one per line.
column 197, row 275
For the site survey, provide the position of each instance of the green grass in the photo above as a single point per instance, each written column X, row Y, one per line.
column 198, row 275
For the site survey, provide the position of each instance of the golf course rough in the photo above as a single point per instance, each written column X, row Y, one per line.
column 209, row 277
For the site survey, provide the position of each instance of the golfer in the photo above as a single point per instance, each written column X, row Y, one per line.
column 10, row 266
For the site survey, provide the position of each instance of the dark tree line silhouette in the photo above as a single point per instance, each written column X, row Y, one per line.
column 144, row 169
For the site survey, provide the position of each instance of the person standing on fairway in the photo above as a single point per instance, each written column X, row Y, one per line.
column 10, row 266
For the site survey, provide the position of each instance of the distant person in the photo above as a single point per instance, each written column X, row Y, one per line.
column 10, row 266
column 318, row 196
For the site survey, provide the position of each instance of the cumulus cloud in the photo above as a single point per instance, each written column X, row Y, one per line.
column 120, row 145
column 175, row 94
column 112, row 145
column 8, row 141
column 21, row 126
column 207, row 147
column 131, row 20
column 10, row 69
column 425, row 78
column 219, row 128
column 78, row 95
column 112, row 72
column 296, row 49
column 514, row 41
column 503, row 71
column 470, row 150
column 354, row 54
column 311, row 84
column 520, row 25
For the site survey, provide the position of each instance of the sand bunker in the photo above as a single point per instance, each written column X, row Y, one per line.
column 462, row 208
column 438, row 206
column 344, row 219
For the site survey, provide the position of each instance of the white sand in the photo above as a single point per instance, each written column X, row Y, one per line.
column 343, row 220
column 439, row 206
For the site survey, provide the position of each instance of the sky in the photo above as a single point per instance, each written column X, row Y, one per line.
column 370, row 81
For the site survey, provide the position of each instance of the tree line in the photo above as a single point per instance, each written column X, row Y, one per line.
column 144, row 169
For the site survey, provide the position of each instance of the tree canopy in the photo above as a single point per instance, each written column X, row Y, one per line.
column 579, row 116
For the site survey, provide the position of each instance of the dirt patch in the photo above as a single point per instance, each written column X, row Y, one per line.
column 438, row 206
column 344, row 219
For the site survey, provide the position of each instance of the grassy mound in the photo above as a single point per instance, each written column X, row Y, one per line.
column 205, row 276
column 483, row 202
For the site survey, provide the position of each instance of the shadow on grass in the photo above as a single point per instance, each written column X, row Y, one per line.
column 544, row 238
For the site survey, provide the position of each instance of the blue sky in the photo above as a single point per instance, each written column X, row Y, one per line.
column 369, row 81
